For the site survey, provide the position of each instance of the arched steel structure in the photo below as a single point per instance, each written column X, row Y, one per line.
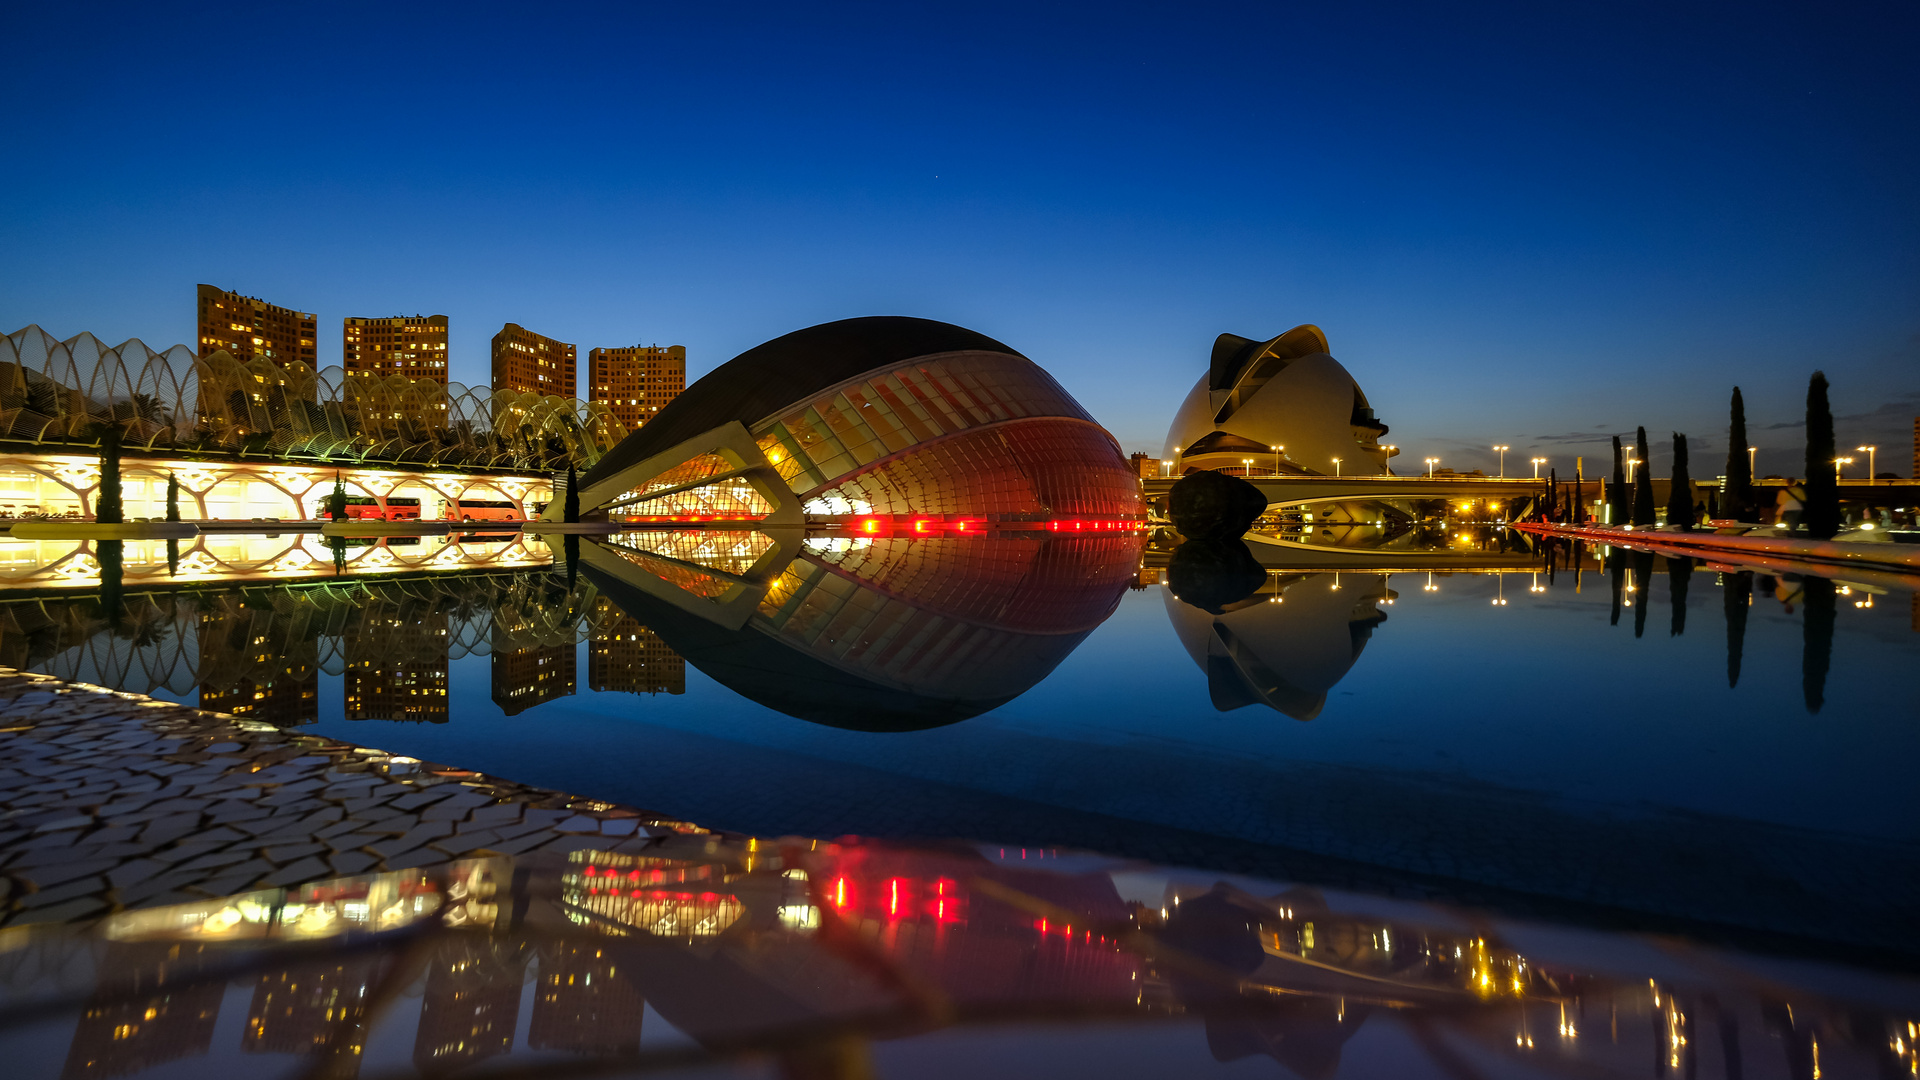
column 64, row 393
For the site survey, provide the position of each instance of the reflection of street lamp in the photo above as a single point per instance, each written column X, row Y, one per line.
column 1869, row 452
column 1336, row 466
column 1431, row 462
column 1500, row 590
column 1536, row 586
column 1503, row 460
column 1430, row 586
column 1537, row 462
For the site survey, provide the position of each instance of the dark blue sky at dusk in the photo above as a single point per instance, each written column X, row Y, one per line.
column 1522, row 223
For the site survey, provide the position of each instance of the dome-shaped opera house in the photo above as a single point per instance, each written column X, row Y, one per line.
column 901, row 524
column 1283, row 405
column 884, row 417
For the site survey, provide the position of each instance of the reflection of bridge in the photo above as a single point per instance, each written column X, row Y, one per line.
column 1302, row 490
column 1279, row 555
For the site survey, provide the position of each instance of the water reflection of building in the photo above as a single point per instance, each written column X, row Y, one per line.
column 472, row 1002
column 530, row 675
column 397, row 666
column 626, row 657
column 253, row 668
column 159, row 1016
column 583, row 1004
column 300, row 1010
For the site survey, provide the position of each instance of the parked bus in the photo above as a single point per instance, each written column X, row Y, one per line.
column 366, row 508
column 482, row 510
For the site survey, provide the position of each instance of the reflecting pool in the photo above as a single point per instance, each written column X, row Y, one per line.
column 1471, row 805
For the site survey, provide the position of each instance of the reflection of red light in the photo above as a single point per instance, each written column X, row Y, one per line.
column 633, row 875
column 893, row 900
column 923, row 526
column 839, row 892
column 592, row 871
column 870, row 526
column 1043, row 926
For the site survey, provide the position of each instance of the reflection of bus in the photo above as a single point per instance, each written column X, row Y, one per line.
column 362, row 507
column 482, row 510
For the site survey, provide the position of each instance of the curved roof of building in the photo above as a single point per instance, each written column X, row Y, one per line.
column 788, row 369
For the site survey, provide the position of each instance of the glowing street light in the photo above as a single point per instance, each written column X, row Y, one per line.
column 1277, row 451
column 1500, row 590
column 1631, row 462
column 1166, row 468
column 1430, row 586
column 1431, row 462
column 1537, row 462
column 1246, row 466
column 1868, row 450
column 1837, row 463
column 1503, row 460
column 1336, row 466
column 1751, row 459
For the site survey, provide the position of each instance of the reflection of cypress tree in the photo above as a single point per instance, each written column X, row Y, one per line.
column 1817, row 648
column 1643, row 583
column 1642, row 482
column 173, row 497
column 1617, row 574
column 1735, row 591
column 570, row 547
column 339, row 546
column 112, row 603
column 1680, row 493
column 106, row 505
column 1617, row 487
column 173, row 557
column 1822, row 516
column 1739, row 505
column 1679, row 576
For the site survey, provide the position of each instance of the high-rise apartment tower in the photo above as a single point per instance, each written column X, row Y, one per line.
column 635, row 383
column 414, row 346
column 532, row 363
column 248, row 327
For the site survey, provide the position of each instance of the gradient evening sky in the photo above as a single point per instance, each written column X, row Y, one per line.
column 1536, row 224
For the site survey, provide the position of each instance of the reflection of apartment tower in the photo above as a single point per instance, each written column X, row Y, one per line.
column 159, row 1018
column 247, row 327
column 414, row 346
column 299, row 1011
column 530, row 675
column 529, row 363
column 251, row 672
column 397, row 666
column 471, row 1006
column 583, row 1005
column 625, row 657
column 635, row 383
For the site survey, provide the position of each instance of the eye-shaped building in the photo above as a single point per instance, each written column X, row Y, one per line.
column 1282, row 405
column 883, row 416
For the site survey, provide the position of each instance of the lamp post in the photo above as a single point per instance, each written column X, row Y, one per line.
column 1837, row 463
column 1752, row 467
column 1631, row 462
column 1277, row 451
column 1166, row 468
column 1431, row 462
column 1503, row 460
column 1870, row 467
column 1336, row 466
column 1537, row 462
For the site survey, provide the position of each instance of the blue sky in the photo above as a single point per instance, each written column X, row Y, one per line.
column 1520, row 223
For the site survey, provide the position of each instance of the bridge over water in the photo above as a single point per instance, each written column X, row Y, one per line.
column 1306, row 490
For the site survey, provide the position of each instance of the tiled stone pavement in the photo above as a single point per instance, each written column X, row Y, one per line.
column 110, row 801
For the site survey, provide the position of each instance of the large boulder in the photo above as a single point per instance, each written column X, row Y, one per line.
column 1214, row 506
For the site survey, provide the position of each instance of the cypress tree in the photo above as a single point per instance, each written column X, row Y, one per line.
column 106, row 505
column 1643, row 483
column 572, row 507
column 1822, row 515
column 1552, row 510
column 1739, row 504
column 173, row 497
column 1680, row 497
column 1617, row 488
column 1735, row 591
column 1579, row 497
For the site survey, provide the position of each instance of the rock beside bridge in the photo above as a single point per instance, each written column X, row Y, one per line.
column 1214, row 506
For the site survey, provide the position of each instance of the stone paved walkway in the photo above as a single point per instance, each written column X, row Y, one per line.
column 111, row 801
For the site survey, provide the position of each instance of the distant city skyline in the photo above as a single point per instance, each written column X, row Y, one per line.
column 1524, row 227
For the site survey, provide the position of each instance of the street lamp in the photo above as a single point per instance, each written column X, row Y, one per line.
column 1336, row 466
column 1277, row 451
column 1246, row 466
column 1537, row 462
column 1431, row 462
column 1631, row 462
column 1870, row 467
column 1503, row 460
column 1837, row 463
column 1167, row 468
column 1751, row 466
